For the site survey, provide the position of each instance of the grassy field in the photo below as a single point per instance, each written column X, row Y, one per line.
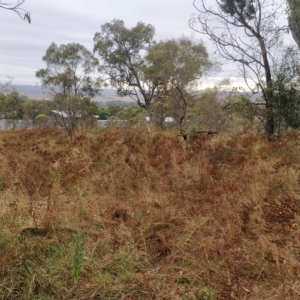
column 124, row 213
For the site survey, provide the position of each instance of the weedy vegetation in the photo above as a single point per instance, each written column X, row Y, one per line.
column 124, row 213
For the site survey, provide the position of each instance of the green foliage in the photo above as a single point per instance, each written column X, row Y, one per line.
column 244, row 108
column 161, row 109
column 193, row 131
column 116, row 44
column 294, row 19
column 131, row 113
column 179, row 75
column 68, row 75
column 206, row 114
column 286, row 104
column 78, row 255
column 33, row 108
column 211, row 111
column 189, row 61
column 286, row 85
column 246, row 32
column 205, row 294
column 68, row 70
column 11, row 105
column 121, row 50
column 41, row 120
column 73, row 111
column 103, row 113
column 240, row 8
column 114, row 109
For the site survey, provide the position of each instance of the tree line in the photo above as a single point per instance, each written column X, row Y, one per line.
column 164, row 74
column 14, row 107
column 131, row 62
column 210, row 111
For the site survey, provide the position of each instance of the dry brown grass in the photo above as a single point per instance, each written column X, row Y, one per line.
column 210, row 218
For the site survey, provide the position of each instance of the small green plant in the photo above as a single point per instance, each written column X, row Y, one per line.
column 193, row 131
column 78, row 256
column 204, row 294
column 41, row 120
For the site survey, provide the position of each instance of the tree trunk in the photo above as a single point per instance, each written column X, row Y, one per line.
column 182, row 105
column 294, row 19
column 268, row 92
column 149, row 111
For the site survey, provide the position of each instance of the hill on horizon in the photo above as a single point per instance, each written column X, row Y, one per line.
column 40, row 93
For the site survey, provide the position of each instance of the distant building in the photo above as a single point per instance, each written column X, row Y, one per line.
column 6, row 124
column 64, row 114
column 167, row 119
column 102, row 123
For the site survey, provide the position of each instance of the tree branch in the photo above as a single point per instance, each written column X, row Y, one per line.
column 22, row 13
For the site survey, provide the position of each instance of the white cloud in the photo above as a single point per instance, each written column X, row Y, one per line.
column 62, row 22
column 22, row 46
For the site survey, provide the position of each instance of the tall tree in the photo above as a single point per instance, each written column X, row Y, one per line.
column 180, row 64
column 33, row 108
column 286, row 86
column 21, row 12
column 69, row 69
column 69, row 77
column 246, row 32
column 121, row 50
column 294, row 19
column 11, row 106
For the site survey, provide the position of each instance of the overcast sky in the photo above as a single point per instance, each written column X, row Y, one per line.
column 23, row 45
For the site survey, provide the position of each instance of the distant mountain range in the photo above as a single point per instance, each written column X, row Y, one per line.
column 39, row 93
column 107, row 95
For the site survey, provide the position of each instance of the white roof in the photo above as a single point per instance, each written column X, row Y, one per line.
column 167, row 119
column 63, row 113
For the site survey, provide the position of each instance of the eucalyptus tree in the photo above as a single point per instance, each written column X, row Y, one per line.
column 180, row 64
column 294, row 19
column 286, row 87
column 246, row 32
column 69, row 71
column 70, row 76
column 32, row 108
column 11, row 106
column 122, row 53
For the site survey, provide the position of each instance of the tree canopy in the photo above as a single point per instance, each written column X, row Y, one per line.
column 11, row 105
column 69, row 75
column 121, row 52
column 242, row 9
column 145, row 70
column 180, row 64
column 294, row 19
column 69, row 69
